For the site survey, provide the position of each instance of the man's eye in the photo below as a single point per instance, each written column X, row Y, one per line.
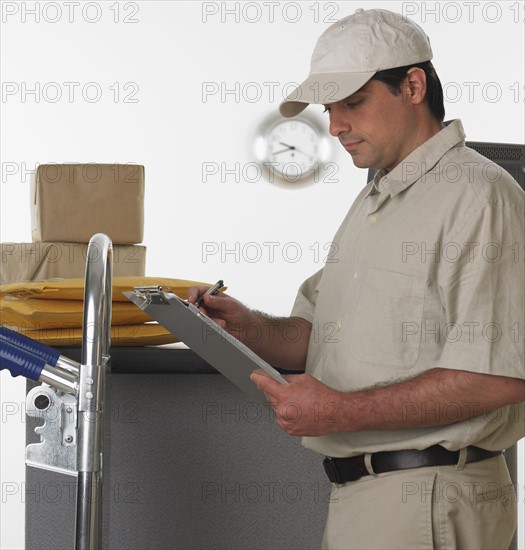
column 353, row 104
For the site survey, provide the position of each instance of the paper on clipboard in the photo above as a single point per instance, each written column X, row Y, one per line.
column 205, row 337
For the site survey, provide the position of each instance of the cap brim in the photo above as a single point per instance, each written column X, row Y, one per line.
column 323, row 89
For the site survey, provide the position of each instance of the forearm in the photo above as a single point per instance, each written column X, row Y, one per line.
column 281, row 341
column 437, row 397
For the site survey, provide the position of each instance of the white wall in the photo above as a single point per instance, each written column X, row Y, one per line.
column 158, row 55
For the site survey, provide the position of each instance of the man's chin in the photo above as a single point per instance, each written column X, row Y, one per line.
column 360, row 162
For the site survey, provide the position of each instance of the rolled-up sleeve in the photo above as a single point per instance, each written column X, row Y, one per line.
column 306, row 299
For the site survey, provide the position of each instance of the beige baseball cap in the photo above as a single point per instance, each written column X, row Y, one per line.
column 351, row 51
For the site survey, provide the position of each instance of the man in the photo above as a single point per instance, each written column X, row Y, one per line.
column 412, row 341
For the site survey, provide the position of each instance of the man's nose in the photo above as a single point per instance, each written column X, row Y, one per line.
column 338, row 124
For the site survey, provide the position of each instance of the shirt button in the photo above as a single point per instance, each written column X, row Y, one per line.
column 355, row 275
column 372, row 219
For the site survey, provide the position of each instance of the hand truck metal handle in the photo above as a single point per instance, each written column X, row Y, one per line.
column 95, row 349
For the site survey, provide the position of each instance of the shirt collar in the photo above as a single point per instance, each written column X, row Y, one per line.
column 420, row 161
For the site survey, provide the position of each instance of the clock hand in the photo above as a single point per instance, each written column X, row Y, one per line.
column 293, row 148
column 281, row 151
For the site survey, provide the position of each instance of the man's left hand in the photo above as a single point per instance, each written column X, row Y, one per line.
column 304, row 406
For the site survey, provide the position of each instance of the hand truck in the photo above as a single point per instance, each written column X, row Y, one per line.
column 71, row 397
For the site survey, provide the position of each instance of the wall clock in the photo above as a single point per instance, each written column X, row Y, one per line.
column 292, row 150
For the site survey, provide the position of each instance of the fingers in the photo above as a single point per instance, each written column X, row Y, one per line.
column 214, row 300
column 266, row 384
column 258, row 377
column 195, row 291
column 208, row 302
column 221, row 303
column 220, row 322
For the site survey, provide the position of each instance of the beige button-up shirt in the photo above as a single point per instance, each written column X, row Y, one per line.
column 428, row 273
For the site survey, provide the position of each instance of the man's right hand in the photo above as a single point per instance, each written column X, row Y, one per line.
column 226, row 311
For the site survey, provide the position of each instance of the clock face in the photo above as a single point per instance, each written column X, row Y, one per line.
column 293, row 148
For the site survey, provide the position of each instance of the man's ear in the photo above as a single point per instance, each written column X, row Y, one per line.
column 415, row 86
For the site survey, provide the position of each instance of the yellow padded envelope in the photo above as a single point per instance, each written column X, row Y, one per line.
column 73, row 289
column 51, row 311
column 127, row 335
column 31, row 314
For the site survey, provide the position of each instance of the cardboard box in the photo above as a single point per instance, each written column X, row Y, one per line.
column 72, row 202
column 59, row 260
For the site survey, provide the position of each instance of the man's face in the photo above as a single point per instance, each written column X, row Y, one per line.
column 375, row 126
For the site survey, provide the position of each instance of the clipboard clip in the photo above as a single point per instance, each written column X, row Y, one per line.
column 152, row 294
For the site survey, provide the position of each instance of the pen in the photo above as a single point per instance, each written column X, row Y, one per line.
column 212, row 290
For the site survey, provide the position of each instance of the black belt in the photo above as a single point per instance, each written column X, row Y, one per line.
column 341, row 470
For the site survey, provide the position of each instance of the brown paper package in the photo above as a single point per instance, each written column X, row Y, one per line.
column 40, row 261
column 72, row 202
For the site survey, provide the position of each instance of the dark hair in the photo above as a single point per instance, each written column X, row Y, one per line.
column 393, row 78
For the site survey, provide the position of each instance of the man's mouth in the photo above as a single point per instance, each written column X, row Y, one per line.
column 351, row 145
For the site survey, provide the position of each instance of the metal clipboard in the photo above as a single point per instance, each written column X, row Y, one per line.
column 205, row 337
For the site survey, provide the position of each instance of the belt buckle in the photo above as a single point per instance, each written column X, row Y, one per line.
column 333, row 473
column 331, row 470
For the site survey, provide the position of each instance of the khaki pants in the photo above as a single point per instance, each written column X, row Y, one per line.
column 439, row 507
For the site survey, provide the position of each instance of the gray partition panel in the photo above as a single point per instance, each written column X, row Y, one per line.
column 194, row 464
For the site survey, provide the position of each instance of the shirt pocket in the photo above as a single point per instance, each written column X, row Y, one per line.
column 382, row 328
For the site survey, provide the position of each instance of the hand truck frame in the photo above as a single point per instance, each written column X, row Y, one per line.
column 71, row 397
